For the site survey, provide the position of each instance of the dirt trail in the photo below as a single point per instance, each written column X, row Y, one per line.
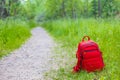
column 30, row 61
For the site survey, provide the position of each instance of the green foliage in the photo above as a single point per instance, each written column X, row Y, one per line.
column 117, row 3
column 33, row 10
column 78, row 8
column 108, row 8
column 94, row 8
column 43, row 10
column 70, row 32
column 27, row 9
column 9, row 8
column 66, row 8
column 12, row 34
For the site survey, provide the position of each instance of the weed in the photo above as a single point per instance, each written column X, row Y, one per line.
column 12, row 34
column 105, row 32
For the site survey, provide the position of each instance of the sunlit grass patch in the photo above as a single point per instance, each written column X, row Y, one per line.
column 12, row 34
column 105, row 32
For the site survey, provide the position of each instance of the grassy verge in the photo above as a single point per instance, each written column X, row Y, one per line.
column 70, row 32
column 12, row 34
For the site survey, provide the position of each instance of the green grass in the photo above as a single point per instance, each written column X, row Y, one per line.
column 70, row 32
column 13, row 33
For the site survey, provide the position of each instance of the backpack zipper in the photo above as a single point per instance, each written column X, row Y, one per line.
column 90, row 50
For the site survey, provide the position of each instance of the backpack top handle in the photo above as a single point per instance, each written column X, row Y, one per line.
column 85, row 37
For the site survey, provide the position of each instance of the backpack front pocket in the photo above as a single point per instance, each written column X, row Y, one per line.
column 92, row 64
column 87, row 54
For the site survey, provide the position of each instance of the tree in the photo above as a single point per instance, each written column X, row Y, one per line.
column 9, row 7
column 71, row 8
column 3, row 10
column 94, row 8
column 109, row 8
column 104, row 8
column 53, row 8
column 63, row 8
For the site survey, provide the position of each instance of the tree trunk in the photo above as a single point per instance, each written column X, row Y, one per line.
column 72, row 10
column 86, row 8
column 63, row 9
column 3, row 10
column 99, row 8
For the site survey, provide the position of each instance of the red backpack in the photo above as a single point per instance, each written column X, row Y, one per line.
column 89, row 56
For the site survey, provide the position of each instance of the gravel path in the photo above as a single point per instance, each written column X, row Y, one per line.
column 31, row 61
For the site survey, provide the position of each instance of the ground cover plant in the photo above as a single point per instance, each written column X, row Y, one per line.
column 16, row 21
column 12, row 34
column 67, row 21
column 69, row 32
